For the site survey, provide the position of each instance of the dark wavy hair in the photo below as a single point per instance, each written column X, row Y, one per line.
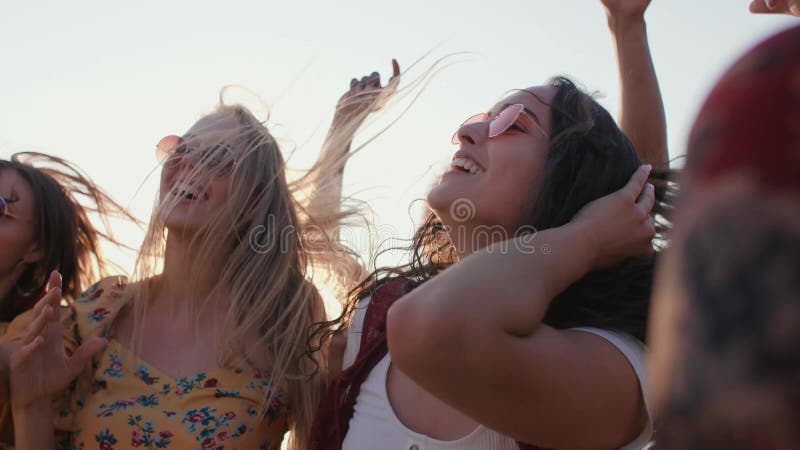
column 588, row 157
column 69, row 241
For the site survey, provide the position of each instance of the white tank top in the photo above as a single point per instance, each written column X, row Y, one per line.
column 375, row 426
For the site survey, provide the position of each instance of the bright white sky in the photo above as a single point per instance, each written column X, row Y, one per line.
column 100, row 82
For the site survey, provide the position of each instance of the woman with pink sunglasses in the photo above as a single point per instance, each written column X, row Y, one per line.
column 533, row 335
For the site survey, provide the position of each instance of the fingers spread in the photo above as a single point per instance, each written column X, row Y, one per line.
column 37, row 325
column 53, row 295
column 23, row 353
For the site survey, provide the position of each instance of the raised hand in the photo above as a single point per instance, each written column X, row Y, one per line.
column 40, row 366
column 620, row 225
column 791, row 7
column 367, row 95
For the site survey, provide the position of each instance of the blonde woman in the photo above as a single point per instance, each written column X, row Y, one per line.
column 211, row 349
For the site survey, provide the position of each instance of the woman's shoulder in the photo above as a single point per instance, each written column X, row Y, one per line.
column 93, row 306
column 99, row 304
column 104, row 290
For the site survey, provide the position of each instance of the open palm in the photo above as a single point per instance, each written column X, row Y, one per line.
column 40, row 366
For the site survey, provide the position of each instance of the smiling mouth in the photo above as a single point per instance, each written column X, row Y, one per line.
column 466, row 165
column 186, row 192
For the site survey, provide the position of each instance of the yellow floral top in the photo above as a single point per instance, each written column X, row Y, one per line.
column 131, row 404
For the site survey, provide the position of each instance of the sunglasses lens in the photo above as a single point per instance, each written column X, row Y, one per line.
column 504, row 120
column 219, row 158
column 166, row 148
column 473, row 119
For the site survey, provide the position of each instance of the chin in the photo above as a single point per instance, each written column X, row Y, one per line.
column 451, row 204
column 440, row 198
column 181, row 222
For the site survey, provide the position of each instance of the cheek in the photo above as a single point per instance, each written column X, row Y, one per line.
column 15, row 241
column 167, row 176
column 221, row 190
column 512, row 185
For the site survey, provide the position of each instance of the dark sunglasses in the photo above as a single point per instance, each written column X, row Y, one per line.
column 4, row 212
column 172, row 151
column 500, row 123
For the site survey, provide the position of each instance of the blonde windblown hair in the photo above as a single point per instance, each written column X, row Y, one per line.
column 258, row 254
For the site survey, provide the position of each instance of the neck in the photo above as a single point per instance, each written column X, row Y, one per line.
column 184, row 274
column 469, row 237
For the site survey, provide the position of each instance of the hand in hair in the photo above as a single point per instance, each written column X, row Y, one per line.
column 366, row 95
column 619, row 225
column 461, row 333
column 40, row 366
column 791, row 7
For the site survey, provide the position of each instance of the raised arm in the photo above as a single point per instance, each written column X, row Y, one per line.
column 473, row 336
column 641, row 112
column 364, row 97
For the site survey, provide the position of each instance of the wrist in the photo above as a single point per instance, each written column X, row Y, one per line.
column 586, row 239
column 622, row 24
column 34, row 408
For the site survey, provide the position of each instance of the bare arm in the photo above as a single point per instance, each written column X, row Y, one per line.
column 364, row 97
column 33, row 426
column 40, row 367
column 473, row 336
column 641, row 113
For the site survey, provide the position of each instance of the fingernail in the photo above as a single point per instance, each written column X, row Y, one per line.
column 648, row 167
column 770, row 3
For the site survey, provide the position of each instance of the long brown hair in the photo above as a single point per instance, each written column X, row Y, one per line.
column 585, row 145
column 69, row 241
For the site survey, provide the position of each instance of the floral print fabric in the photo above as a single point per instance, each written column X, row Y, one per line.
column 132, row 404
